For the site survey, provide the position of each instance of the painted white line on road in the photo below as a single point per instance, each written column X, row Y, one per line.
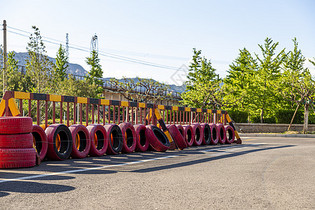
column 84, row 169
column 233, row 148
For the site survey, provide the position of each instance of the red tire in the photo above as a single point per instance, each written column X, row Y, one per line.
column 214, row 134
column 16, row 141
column 40, row 141
column 16, row 125
column 180, row 129
column 177, row 137
column 158, row 140
column 189, row 135
column 98, row 140
column 129, row 137
column 230, row 134
column 141, row 141
column 206, row 133
column 59, row 142
column 197, row 134
column 81, row 142
column 17, row 158
column 115, row 140
column 221, row 133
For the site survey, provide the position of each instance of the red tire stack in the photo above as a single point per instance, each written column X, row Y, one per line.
column 16, row 142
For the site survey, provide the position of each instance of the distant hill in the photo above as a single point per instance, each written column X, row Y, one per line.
column 78, row 70
column 74, row 69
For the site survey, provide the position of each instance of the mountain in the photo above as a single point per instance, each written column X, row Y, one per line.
column 74, row 69
column 78, row 70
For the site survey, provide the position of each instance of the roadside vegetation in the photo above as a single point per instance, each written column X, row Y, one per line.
column 269, row 86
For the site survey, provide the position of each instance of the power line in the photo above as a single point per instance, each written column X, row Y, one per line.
column 102, row 53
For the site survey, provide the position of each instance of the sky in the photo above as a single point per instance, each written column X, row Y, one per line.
column 155, row 39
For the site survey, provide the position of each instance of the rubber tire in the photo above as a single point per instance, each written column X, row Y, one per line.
column 221, row 133
column 66, row 142
column 16, row 141
column 114, row 130
column 197, row 134
column 102, row 140
column 180, row 129
column 17, row 158
column 206, row 132
column 214, row 134
column 158, row 140
column 41, row 142
column 142, row 143
column 16, row 125
column 85, row 142
column 177, row 137
column 127, row 129
column 189, row 135
column 231, row 137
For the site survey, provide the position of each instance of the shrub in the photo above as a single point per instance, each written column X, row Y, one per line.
column 285, row 116
column 238, row 116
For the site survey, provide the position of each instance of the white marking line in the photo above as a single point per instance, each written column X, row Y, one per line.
column 85, row 169
column 117, row 165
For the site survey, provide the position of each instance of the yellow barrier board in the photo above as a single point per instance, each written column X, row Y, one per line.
column 142, row 105
column 55, row 98
column 13, row 107
column 199, row 110
column 82, row 100
column 187, row 109
column 124, row 103
column 175, row 108
column 104, row 102
column 22, row 95
column 2, row 107
column 161, row 107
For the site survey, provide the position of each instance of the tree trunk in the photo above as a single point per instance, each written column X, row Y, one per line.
column 306, row 113
column 293, row 116
column 262, row 115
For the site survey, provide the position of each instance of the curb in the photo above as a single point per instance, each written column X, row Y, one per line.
column 276, row 135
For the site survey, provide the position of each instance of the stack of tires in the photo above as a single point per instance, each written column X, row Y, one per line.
column 16, row 142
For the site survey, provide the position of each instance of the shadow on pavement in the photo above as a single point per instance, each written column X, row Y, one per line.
column 2, row 194
column 79, row 166
column 188, row 163
column 32, row 187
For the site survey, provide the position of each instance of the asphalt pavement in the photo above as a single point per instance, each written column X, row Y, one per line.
column 261, row 173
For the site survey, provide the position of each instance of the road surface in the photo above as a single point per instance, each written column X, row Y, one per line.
column 262, row 173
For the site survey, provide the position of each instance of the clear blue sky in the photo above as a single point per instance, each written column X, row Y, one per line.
column 162, row 32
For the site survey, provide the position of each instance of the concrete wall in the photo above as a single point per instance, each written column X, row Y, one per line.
column 270, row 128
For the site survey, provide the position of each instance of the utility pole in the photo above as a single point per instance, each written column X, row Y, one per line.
column 4, row 53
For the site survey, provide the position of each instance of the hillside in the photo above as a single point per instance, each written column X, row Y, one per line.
column 78, row 70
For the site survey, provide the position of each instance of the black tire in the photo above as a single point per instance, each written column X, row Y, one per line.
column 206, row 132
column 115, row 139
column 157, row 138
column 59, row 148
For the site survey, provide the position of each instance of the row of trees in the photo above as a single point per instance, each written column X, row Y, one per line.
column 44, row 76
column 257, row 86
column 261, row 84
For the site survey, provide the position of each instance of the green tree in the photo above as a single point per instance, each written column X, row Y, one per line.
column 38, row 66
column 240, row 82
column 269, row 65
column 95, row 75
column 14, row 77
column 203, row 85
column 61, row 65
